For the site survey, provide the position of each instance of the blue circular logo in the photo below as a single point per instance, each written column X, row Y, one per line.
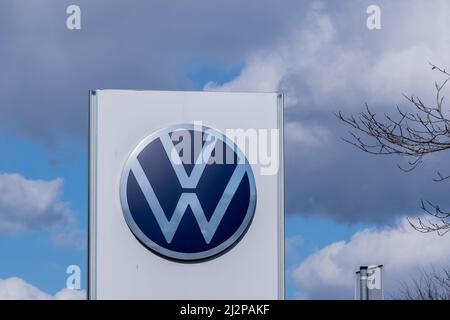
column 188, row 192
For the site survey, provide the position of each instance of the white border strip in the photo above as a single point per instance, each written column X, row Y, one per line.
column 92, row 210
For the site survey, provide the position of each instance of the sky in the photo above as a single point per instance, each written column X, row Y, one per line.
column 344, row 208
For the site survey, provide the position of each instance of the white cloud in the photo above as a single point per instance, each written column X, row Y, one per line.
column 329, row 273
column 17, row 289
column 320, row 63
column 31, row 204
column 265, row 69
column 70, row 294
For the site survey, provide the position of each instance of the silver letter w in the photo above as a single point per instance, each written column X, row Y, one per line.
column 188, row 199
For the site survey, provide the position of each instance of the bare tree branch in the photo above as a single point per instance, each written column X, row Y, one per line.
column 413, row 133
column 429, row 285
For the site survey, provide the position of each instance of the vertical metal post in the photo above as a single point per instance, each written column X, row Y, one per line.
column 363, row 289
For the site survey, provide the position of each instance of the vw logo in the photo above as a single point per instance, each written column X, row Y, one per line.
column 188, row 210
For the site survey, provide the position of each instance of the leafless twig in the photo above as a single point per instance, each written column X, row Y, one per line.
column 414, row 134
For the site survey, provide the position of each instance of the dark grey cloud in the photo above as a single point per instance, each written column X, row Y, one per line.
column 338, row 181
column 47, row 69
column 324, row 59
column 332, row 178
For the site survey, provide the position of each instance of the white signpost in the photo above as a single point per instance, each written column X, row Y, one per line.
column 186, row 197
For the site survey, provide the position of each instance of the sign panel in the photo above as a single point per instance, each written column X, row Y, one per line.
column 186, row 195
